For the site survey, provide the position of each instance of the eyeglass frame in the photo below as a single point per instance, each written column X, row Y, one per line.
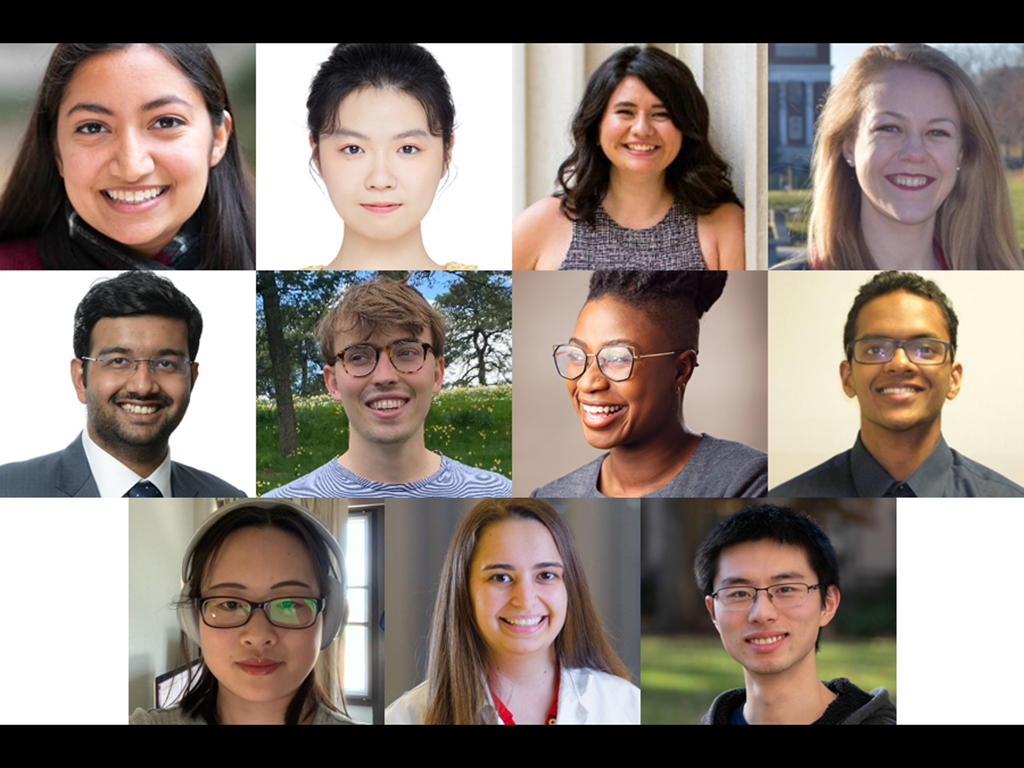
column 950, row 350
column 377, row 350
column 630, row 347
column 753, row 600
column 149, row 361
column 200, row 602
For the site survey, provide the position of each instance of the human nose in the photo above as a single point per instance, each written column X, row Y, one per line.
column 132, row 159
column 762, row 609
column 592, row 378
column 385, row 371
column 143, row 378
column 899, row 360
column 380, row 175
column 258, row 630
column 642, row 124
column 913, row 146
column 523, row 593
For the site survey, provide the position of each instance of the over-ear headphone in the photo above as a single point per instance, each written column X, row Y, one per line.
column 333, row 615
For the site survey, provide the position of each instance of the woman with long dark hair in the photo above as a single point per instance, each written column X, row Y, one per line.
column 130, row 161
column 643, row 188
column 515, row 638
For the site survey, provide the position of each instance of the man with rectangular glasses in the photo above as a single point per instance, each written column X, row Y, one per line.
column 383, row 348
column 136, row 338
column 900, row 342
column 770, row 580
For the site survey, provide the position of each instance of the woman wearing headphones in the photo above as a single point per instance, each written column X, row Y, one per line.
column 261, row 598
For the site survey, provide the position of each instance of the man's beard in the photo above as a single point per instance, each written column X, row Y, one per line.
column 130, row 443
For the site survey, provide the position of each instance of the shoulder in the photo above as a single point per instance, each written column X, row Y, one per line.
column 409, row 708
column 723, row 706
column 320, row 483
column 832, row 478
column 189, row 481
column 607, row 699
column 20, row 254
column 458, row 480
column 173, row 716
column 327, row 716
column 979, row 480
column 38, row 476
column 541, row 235
column 721, row 237
column 722, row 469
column 854, row 706
column 579, row 483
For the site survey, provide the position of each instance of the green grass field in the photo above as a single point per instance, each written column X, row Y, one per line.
column 469, row 424
column 681, row 676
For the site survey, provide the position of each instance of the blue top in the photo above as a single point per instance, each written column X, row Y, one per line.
column 453, row 479
column 857, row 473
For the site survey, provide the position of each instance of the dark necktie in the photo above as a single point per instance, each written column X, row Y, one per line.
column 143, row 490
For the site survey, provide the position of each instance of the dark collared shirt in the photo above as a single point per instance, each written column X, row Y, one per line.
column 856, row 473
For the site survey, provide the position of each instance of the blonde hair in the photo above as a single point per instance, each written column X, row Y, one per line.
column 974, row 225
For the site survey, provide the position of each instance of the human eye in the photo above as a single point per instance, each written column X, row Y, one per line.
column 91, row 129
column 168, row 364
column 408, row 149
column 500, row 578
column 352, row 149
column 358, row 355
column 547, row 576
column 116, row 362
column 736, row 594
column 167, row 122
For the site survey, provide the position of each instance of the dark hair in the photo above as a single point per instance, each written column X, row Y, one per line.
column 458, row 655
column 35, row 191
column 889, row 282
column 407, row 67
column 130, row 294
column 201, row 699
column 697, row 176
column 675, row 300
column 774, row 523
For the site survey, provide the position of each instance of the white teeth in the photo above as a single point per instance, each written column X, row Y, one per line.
column 602, row 408
column 910, row 181
column 897, row 390
column 147, row 409
column 387, row 405
column 642, row 147
column 134, row 197
column 765, row 640
column 524, row 622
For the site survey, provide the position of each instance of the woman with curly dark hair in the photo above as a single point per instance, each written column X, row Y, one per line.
column 626, row 369
column 643, row 187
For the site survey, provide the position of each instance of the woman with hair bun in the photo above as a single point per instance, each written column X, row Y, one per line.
column 643, row 187
column 514, row 638
column 130, row 161
column 626, row 368
column 907, row 170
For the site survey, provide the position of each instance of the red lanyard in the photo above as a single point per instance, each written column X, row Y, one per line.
column 506, row 716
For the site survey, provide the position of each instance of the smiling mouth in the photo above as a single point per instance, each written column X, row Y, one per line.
column 602, row 409
column 902, row 390
column 386, row 405
column 765, row 640
column 641, row 147
column 531, row 622
column 134, row 196
column 142, row 410
column 908, row 181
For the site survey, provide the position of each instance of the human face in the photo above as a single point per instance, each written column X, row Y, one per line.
column 135, row 145
column 382, row 165
column 907, row 148
column 132, row 416
column 637, row 134
column 899, row 396
column 259, row 664
column 517, row 582
column 764, row 639
column 644, row 406
column 388, row 406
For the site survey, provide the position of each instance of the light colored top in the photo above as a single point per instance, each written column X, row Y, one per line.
column 114, row 479
column 585, row 697
column 448, row 265
column 174, row 716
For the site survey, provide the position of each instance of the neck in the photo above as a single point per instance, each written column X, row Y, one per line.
column 898, row 246
column 394, row 463
column 636, row 470
column 232, row 710
column 360, row 252
column 637, row 202
column 525, row 685
column 901, row 453
column 140, row 459
column 795, row 697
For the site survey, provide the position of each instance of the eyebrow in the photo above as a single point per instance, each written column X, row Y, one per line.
column 127, row 351
column 656, row 105
column 507, row 567
column 901, row 116
column 778, row 578
column 163, row 101
column 410, row 134
column 608, row 343
column 236, row 585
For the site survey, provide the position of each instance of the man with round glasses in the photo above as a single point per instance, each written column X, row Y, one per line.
column 770, row 580
column 900, row 342
column 383, row 348
column 136, row 338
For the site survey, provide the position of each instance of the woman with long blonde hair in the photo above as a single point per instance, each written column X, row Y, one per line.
column 907, row 170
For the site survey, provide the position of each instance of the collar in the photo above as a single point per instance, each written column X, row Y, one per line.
column 114, row 479
column 929, row 479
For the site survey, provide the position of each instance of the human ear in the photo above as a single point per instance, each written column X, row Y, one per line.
column 709, row 603
column 448, row 155
column 848, row 153
column 685, row 364
column 846, row 375
column 221, row 136
column 331, row 381
column 438, row 375
column 955, row 375
column 315, row 148
column 78, row 378
column 831, row 605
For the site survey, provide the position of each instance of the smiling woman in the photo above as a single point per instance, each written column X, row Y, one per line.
column 130, row 160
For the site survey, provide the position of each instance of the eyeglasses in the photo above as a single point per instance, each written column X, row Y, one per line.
column 406, row 356
column 918, row 351
column 614, row 362
column 165, row 365
column 781, row 595
column 284, row 612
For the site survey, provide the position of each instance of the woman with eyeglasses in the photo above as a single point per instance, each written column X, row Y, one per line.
column 262, row 598
column 626, row 368
column 515, row 639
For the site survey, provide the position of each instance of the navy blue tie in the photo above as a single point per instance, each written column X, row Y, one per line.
column 143, row 490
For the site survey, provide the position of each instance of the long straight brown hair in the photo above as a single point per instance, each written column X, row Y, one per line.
column 457, row 670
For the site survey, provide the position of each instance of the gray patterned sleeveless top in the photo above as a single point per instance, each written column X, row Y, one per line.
column 670, row 244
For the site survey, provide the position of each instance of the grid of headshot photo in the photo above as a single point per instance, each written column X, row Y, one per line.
column 509, row 383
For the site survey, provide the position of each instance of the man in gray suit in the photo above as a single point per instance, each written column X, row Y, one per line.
column 136, row 338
